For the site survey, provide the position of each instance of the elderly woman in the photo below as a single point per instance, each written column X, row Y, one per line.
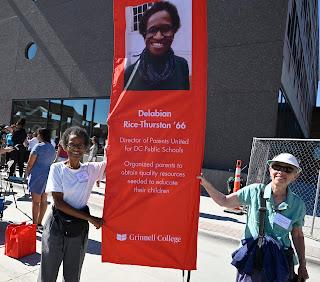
column 285, row 212
column 37, row 170
column 158, row 68
column 65, row 234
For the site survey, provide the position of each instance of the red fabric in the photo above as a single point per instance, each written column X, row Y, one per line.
column 62, row 152
column 20, row 240
column 145, row 227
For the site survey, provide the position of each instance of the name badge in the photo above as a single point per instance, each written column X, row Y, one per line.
column 282, row 221
column 82, row 176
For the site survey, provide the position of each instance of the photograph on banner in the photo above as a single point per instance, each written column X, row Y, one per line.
column 158, row 46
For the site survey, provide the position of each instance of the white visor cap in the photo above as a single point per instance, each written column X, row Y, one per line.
column 287, row 159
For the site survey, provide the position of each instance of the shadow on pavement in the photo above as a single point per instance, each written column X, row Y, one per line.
column 25, row 198
column 217, row 217
column 94, row 247
column 31, row 260
column 3, row 226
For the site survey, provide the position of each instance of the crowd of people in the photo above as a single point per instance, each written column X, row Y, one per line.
column 58, row 171
column 63, row 173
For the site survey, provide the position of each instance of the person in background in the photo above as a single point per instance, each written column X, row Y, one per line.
column 53, row 142
column 41, row 157
column 283, row 206
column 9, row 142
column 65, row 234
column 19, row 136
column 9, row 130
column 104, row 157
column 93, row 149
column 33, row 141
column 61, row 155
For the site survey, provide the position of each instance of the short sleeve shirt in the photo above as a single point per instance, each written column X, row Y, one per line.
column 292, row 208
column 75, row 184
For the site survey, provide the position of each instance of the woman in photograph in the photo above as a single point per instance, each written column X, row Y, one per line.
column 65, row 234
column 158, row 68
column 284, row 216
column 37, row 170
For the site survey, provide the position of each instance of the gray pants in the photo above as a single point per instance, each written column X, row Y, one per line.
column 57, row 248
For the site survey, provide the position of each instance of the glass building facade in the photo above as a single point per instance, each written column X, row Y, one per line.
column 287, row 124
column 59, row 114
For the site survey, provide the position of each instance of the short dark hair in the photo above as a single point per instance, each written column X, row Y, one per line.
column 75, row 130
column 94, row 138
column 45, row 134
column 157, row 7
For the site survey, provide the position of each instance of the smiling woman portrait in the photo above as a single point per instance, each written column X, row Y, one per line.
column 158, row 68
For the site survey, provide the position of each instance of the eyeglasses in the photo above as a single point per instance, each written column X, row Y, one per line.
column 165, row 30
column 76, row 146
column 286, row 169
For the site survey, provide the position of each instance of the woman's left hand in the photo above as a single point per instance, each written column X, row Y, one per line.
column 302, row 273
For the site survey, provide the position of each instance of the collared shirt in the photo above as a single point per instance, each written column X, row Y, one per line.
column 292, row 208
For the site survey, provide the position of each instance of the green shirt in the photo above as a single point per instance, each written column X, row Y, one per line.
column 293, row 208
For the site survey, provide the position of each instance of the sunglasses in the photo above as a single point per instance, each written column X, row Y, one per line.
column 286, row 169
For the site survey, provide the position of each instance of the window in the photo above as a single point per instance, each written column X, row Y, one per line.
column 54, row 118
column 34, row 111
column 137, row 14
column 100, row 128
column 77, row 113
column 31, row 50
column 287, row 124
column 57, row 115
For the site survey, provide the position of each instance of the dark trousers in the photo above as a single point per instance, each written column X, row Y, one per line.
column 18, row 157
column 57, row 248
column 8, row 157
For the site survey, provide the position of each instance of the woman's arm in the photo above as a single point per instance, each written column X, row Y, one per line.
column 5, row 150
column 30, row 163
column 298, row 242
column 229, row 201
column 66, row 208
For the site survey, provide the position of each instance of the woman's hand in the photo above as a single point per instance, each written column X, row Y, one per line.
column 203, row 181
column 96, row 221
column 302, row 273
column 230, row 201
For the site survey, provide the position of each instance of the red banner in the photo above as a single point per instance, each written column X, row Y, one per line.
column 156, row 133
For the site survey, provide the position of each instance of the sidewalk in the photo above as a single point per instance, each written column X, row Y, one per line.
column 216, row 223
column 231, row 226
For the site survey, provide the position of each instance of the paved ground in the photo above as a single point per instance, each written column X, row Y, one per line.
column 218, row 230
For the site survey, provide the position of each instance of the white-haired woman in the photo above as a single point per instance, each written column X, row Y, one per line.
column 285, row 213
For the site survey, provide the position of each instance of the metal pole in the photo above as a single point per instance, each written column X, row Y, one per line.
column 315, row 204
column 286, row 139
